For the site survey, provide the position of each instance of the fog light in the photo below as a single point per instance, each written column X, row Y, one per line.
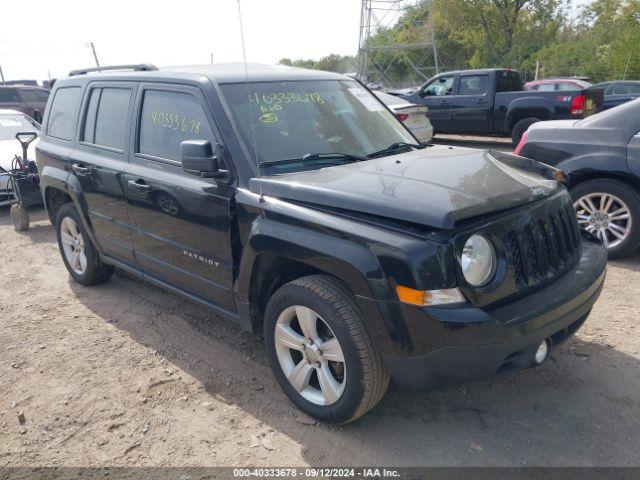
column 541, row 354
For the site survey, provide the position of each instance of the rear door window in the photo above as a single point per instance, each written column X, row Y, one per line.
column 106, row 117
column 509, row 81
column 474, row 85
column 167, row 119
column 64, row 109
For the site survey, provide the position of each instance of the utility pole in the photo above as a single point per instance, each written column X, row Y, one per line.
column 379, row 63
column 624, row 75
column 537, row 69
column 211, row 58
column 95, row 55
column 1, row 74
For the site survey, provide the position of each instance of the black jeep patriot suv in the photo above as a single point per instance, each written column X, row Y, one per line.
column 295, row 204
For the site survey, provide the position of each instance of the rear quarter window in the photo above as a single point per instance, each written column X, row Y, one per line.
column 64, row 110
column 106, row 117
column 509, row 81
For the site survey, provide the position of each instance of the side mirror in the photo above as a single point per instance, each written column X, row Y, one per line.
column 200, row 158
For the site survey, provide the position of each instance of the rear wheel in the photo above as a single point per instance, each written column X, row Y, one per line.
column 78, row 253
column 610, row 210
column 320, row 350
column 520, row 127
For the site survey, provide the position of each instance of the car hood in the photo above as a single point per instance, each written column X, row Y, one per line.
column 11, row 148
column 436, row 186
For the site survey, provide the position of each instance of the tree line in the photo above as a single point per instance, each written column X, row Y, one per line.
column 601, row 40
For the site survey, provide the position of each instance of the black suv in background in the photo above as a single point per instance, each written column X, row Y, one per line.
column 25, row 98
column 294, row 203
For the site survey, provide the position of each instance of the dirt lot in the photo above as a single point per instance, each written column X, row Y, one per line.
column 126, row 374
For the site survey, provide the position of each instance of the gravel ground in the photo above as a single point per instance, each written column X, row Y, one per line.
column 126, row 374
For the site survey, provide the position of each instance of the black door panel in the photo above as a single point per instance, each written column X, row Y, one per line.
column 98, row 162
column 437, row 95
column 471, row 106
column 180, row 222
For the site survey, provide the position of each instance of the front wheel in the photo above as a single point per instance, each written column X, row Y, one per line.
column 320, row 351
column 610, row 210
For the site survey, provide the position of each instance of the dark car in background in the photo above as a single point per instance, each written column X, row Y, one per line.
column 493, row 102
column 28, row 99
column 619, row 92
column 601, row 156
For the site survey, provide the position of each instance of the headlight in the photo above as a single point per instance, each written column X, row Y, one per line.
column 478, row 260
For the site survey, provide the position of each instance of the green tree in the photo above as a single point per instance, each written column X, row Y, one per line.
column 332, row 63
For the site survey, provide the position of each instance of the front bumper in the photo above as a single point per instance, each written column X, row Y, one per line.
column 481, row 343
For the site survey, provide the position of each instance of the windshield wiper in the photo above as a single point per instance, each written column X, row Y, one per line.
column 393, row 147
column 317, row 156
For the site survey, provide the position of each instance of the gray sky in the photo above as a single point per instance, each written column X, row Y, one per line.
column 170, row 32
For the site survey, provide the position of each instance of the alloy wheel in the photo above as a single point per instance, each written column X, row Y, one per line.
column 310, row 355
column 73, row 245
column 605, row 216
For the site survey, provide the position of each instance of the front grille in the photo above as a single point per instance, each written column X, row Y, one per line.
column 544, row 248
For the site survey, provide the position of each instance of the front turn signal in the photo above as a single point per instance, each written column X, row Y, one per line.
column 423, row 298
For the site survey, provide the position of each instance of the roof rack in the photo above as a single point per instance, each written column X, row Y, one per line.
column 141, row 67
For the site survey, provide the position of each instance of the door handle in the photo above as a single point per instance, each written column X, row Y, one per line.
column 445, row 102
column 80, row 169
column 140, row 187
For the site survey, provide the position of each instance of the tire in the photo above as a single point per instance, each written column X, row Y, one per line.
column 520, row 127
column 89, row 271
column 622, row 195
column 364, row 378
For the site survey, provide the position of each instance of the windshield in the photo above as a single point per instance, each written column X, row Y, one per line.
column 292, row 119
column 12, row 124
